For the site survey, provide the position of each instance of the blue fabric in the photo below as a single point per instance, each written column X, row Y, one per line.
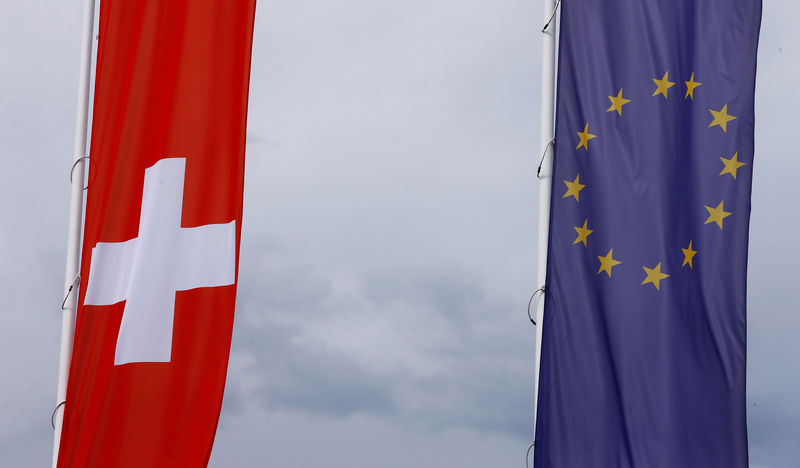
column 633, row 375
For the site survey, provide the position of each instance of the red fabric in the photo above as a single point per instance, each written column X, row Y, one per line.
column 172, row 81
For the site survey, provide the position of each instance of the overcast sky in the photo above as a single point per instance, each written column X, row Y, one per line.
column 389, row 234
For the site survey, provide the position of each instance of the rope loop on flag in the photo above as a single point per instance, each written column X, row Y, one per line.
column 555, row 9
column 74, row 164
column 53, row 416
column 544, row 153
column 75, row 282
column 528, row 453
column 530, row 301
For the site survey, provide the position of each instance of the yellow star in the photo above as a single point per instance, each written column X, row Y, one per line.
column 654, row 276
column 663, row 85
column 573, row 188
column 731, row 165
column 585, row 137
column 607, row 263
column 690, row 86
column 583, row 233
column 716, row 215
column 721, row 118
column 617, row 102
column 688, row 255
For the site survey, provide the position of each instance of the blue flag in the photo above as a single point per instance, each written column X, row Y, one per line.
column 643, row 351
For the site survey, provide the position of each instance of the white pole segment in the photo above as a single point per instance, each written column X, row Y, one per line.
column 545, row 178
column 75, row 215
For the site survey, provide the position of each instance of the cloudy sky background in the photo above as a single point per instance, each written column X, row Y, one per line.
column 389, row 234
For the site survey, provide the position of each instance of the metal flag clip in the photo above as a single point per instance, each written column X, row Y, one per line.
column 76, row 281
column 540, row 290
column 555, row 8
column 74, row 164
column 544, row 153
column 53, row 416
column 528, row 453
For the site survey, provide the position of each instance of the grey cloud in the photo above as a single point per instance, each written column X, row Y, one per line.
column 467, row 380
column 286, row 374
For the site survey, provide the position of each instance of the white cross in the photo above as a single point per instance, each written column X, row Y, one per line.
column 147, row 270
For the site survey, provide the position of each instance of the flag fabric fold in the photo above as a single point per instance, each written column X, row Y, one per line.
column 161, row 235
column 644, row 339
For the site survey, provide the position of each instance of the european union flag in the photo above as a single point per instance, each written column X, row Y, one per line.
column 643, row 353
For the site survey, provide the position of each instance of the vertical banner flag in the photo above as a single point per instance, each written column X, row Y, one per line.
column 643, row 351
column 161, row 236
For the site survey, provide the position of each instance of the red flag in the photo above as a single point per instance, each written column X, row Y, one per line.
column 161, row 236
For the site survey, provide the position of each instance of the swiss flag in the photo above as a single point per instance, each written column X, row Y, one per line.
column 162, row 232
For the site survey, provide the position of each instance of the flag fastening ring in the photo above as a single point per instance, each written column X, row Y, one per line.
column 544, row 153
column 53, row 416
column 74, row 164
column 530, row 301
column 528, row 453
column 555, row 8
column 75, row 282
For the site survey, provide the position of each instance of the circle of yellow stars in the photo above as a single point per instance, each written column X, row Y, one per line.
column 716, row 215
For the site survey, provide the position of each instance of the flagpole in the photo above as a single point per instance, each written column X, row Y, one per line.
column 545, row 176
column 71, row 278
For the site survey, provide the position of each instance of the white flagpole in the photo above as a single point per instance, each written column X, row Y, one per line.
column 71, row 280
column 545, row 176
